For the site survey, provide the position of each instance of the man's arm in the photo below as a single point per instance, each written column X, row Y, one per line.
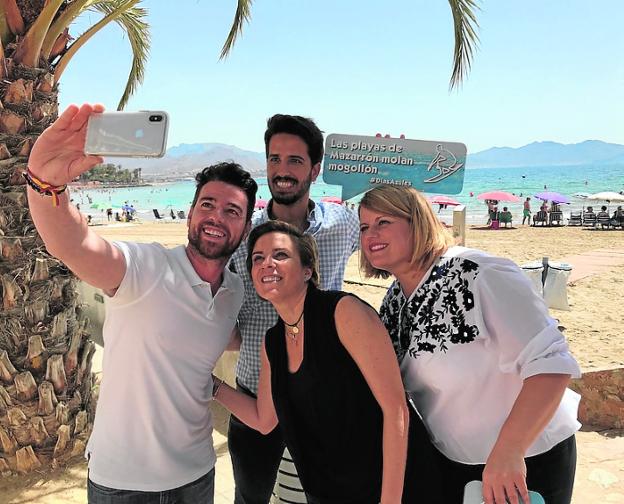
column 58, row 158
column 235, row 340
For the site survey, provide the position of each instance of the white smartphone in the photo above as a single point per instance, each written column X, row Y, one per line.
column 473, row 494
column 127, row 134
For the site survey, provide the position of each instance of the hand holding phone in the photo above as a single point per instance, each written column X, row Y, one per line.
column 127, row 134
column 58, row 157
column 473, row 494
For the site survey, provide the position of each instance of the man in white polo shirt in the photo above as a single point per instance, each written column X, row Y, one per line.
column 170, row 315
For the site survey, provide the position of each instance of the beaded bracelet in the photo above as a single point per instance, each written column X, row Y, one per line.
column 44, row 188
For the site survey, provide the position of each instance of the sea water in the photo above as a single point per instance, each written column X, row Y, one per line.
column 523, row 182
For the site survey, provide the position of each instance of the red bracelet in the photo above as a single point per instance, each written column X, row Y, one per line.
column 44, row 188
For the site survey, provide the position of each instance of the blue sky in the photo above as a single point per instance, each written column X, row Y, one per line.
column 544, row 70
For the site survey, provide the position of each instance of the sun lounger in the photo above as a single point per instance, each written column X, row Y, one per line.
column 505, row 218
column 556, row 216
column 589, row 219
column 604, row 221
column 540, row 217
column 156, row 213
column 575, row 219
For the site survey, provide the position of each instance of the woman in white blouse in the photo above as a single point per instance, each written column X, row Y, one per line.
column 481, row 358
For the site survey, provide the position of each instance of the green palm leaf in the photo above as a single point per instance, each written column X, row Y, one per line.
column 243, row 14
column 466, row 38
column 464, row 20
column 29, row 47
column 71, row 12
column 131, row 20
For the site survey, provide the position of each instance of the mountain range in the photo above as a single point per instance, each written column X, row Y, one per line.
column 185, row 160
column 548, row 154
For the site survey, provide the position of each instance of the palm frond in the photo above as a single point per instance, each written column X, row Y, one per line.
column 28, row 49
column 71, row 12
column 5, row 32
column 466, row 38
column 132, row 22
column 2, row 62
column 124, row 13
column 13, row 16
column 243, row 14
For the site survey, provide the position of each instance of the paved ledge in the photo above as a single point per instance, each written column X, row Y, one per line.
column 602, row 398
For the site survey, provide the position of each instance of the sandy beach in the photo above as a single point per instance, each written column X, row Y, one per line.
column 593, row 327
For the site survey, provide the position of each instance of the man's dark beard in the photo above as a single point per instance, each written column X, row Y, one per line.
column 289, row 199
column 211, row 252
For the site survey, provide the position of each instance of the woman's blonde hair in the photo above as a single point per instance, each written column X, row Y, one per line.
column 430, row 238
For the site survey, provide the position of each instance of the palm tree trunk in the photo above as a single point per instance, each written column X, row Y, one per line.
column 46, row 386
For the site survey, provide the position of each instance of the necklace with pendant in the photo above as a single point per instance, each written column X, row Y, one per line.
column 292, row 330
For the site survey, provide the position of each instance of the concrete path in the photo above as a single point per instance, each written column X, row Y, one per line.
column 599, row 470
column 593, row 262
column 600, row 467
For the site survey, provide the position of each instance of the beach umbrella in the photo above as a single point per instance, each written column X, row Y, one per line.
column 261, row 203
column 499, row 196
column 444, row 200
column 553, row 196
column 606, row 196
column 331, row 199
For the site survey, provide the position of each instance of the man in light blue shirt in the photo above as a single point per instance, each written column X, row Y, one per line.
column 294, row 150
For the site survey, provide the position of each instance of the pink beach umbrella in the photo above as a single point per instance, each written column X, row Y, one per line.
column 444, row 200
column 499, row 196
column 331, row 199
column 260, row 203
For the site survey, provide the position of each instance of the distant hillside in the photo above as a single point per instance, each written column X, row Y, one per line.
column 187, row 159
column 549, row 154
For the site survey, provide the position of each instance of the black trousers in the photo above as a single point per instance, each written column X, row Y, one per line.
column 423, row 470
column 255, row 460
column 550, row 473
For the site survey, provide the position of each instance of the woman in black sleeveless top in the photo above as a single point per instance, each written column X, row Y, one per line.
column 329, row 375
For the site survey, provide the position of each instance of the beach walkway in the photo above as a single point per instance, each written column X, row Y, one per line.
column 593, row 262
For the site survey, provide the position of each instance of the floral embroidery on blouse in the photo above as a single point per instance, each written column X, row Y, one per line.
column 436, row 316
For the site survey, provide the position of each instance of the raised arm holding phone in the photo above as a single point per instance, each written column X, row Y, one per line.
column 56, row 159
column 170, row 314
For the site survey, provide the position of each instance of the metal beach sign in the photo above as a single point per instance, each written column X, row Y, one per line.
column 358, row 163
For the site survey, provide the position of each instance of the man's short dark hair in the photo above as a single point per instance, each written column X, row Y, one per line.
column 229, row 173
column 302, row 127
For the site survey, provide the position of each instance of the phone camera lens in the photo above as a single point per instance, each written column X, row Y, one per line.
column 155, row 118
